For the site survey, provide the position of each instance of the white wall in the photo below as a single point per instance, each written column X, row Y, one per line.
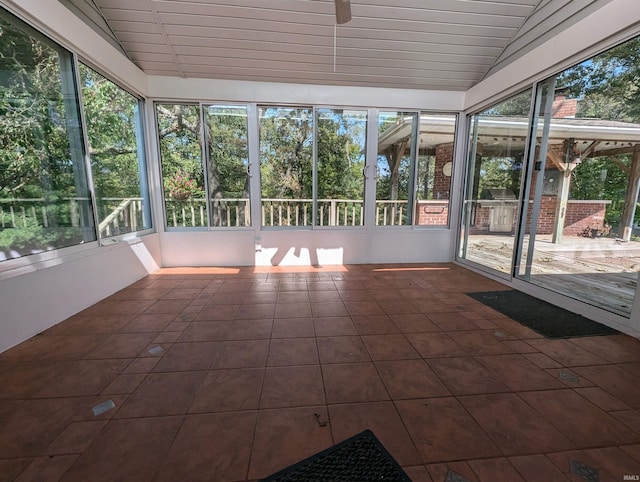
column 611, row 24
column 37, row 298
column 272, row 92
column 306, row 247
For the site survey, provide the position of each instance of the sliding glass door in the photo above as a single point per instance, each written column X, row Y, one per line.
column 498, row 143
column 581, row 236
column 551, row 193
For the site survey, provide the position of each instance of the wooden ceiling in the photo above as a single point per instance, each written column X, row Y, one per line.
column 423, row 44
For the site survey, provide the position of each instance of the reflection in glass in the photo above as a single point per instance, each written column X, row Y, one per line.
column 341, row 141
column 228, row 165
column 286, row 166
column 181, row 158
column 44, row 197
column 117, row 155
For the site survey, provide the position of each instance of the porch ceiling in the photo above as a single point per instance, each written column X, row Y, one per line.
column 425, row 44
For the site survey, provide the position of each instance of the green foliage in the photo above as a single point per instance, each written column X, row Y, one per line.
column 34, row 147
column 180, row 186
column 41, row 162
column 340, row 155
column 607, row 85
column 286, row 152
column 179, row 135
column 32, row 235
column 110, row 114
column 228, row 152
column 499, row 172
column 516, row 106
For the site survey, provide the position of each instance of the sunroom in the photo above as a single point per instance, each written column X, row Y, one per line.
column 257, row 197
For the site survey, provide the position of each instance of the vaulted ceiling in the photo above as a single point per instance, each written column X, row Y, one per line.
column 424, row 44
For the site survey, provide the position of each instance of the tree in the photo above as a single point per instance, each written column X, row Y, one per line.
column 608, row 84
column 110, row 116
column 607, row 87
column 228, row 151
column 286, row 152
column 40, row 176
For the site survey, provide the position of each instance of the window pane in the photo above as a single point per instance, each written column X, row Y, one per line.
column 496, row 155
column 582, row 238
column 341, row 157
column 117, row 155
column 286, row 166
column 181, row 157
column 228, row 165
column 435, row 162
column 395, row 167
column 44, row 199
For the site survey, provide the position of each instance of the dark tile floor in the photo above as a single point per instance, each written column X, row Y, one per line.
column 231, row 374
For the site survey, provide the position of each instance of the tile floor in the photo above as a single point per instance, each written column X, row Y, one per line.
column 231, row 374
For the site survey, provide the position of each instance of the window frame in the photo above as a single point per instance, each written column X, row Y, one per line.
column 50, row 257
column 142, row 155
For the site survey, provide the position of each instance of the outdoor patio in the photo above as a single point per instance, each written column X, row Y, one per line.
column 601, row 270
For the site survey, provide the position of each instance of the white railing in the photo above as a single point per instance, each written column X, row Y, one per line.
column 123, row 215
column 391, row 213
column 24, row 212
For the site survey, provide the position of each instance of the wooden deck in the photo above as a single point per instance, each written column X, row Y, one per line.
column 600, row 271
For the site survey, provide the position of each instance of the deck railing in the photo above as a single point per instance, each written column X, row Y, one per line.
column 25, row 212
column 123, row 215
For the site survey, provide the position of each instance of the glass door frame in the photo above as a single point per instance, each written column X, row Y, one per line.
column 534, row 165
column 471, row 135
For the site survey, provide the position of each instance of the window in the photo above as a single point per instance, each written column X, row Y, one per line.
column 44, row 196
column 286, row 166
column 116, row 149
column 414, row 168
column 341, row 142
column 395, row 167
column 228, row 165
column 181, row 157
column 436, row 147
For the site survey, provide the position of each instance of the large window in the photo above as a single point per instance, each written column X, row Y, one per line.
column 181, row 157
column 286, row 166
column 434, row 169
column 395, row 167
column 116, row 148
column 414, row 168
column 44, row 197
column 341, row 141
column 228, row 165
column 298, row 191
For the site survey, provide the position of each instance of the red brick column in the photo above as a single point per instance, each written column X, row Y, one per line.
column 442, row 183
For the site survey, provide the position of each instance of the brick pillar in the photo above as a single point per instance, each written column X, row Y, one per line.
column 442, row 183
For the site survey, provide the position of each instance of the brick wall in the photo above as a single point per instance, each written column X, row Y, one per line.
column 442, row 183
column 563, row 107
column 432, row 213
column 581, row 215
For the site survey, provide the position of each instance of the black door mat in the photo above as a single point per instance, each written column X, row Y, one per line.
column 360, row 458
column 542, row 317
